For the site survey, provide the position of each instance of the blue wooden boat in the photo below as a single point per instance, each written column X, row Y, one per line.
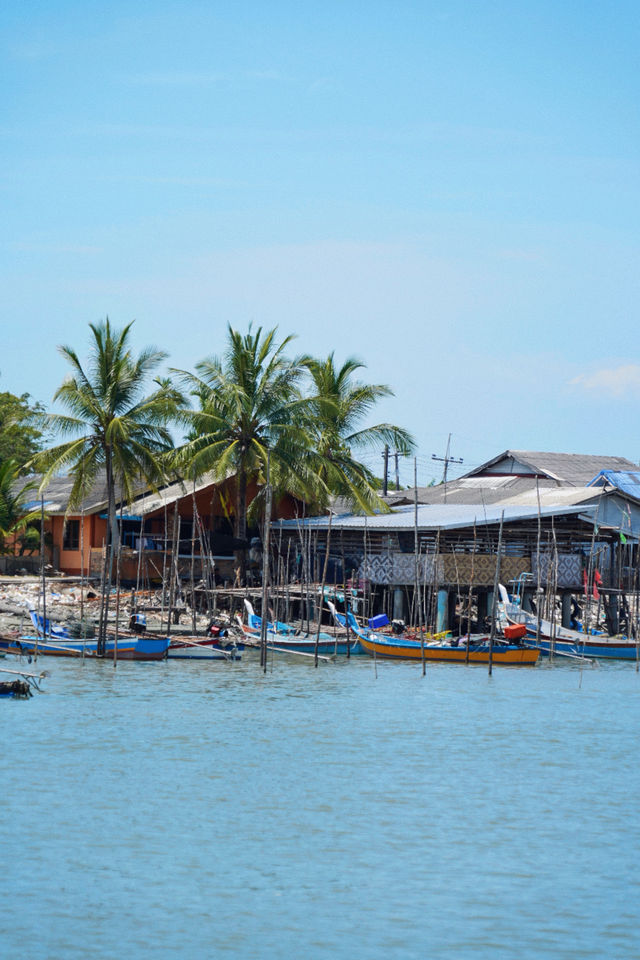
column 46, row 627
column 291, row 640
column 552, row 638
column 204, row 648
column 129, row 647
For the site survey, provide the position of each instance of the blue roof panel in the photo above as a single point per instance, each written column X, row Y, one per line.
column 627, row 481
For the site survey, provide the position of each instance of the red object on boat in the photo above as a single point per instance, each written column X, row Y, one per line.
column 515, row 632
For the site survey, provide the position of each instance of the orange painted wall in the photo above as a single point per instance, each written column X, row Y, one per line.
column 209, row 507
column 72, row 561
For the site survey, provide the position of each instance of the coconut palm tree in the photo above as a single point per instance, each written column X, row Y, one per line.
column 339, row 407
column 250, row 410
column 16, row 517
column 114, row 426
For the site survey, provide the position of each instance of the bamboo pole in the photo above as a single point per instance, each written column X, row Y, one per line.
column 164, row 565
column 416, row 589
column 82, row 620
column 539, row 534
column 553, row 592
column 265, row 569
column 118, row 557
column 470, row 600
column 495, row 595
column 193, row 557
column 175, row 546
column 344, row 590
column 44, row 583
column 324, row 580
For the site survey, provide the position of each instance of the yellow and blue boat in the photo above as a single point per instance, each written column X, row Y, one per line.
column 474, row 649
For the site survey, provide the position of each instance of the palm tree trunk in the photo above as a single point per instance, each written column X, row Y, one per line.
column 241, row 521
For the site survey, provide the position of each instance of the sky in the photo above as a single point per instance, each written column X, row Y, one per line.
column 448, row 191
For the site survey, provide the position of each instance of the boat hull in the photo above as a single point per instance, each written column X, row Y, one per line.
column 327, row 645
column 592, row 647
column 572, row 643
column 202, row 649
column 128, row 647
column 477, row 653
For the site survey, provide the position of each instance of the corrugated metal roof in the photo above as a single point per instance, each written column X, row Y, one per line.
column 557, row 496
column 437, row 517
column 167, row 496
column 478, row 490
column 58, row 491
column 574, row 468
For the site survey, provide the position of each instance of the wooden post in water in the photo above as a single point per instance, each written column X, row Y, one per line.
column 636, row 549
column 344, row 590
column 118, row 558
column 265, row 569
column 495, row 596
column 538, row 612
column 173, row 572
column 82, row 620
column 44, row 582
column 416, row 588
column 194, row 511
column 322, row 585
column 470, row 600
column 554, row 592
column 165, row 543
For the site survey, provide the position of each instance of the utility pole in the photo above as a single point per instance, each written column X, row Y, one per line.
column 385, row 480
column 446, row 460
column 397, row 455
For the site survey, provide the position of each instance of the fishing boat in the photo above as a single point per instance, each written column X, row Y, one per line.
column 562, row 641
column 128, row 647
column 469, row 649
column 284, row 638
column 47, row 627
column 204, row 648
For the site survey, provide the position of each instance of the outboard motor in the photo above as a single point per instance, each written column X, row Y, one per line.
column 138, row 623
column 398, row 627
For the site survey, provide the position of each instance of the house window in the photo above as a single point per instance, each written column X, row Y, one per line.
column 71, row 539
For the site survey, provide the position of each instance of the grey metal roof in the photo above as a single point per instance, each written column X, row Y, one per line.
column 478, row 490
column 58, row 491
column 438, row 517
column 575, row 468
column 557, row 497
column 166, row 496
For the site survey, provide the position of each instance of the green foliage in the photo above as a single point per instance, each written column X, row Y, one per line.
column 249, row 408
column 339, row 406
column 16, row 519
column 20, row 428
column 114, row 426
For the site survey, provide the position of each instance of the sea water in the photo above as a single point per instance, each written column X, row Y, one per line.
column 211, row 810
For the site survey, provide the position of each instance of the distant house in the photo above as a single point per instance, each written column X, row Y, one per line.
column 177, row 514
column 560, row 514
column 516, row 472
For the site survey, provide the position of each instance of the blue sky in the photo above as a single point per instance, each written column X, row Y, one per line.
column 447, row 190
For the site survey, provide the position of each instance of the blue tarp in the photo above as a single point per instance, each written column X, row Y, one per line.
column 627, row 481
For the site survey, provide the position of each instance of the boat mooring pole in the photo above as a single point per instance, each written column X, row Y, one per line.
column 322, row 586
column 265, row 568
column 495, row 596
column 417, row 606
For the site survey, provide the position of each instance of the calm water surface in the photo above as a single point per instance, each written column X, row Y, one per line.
column 208, row 810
